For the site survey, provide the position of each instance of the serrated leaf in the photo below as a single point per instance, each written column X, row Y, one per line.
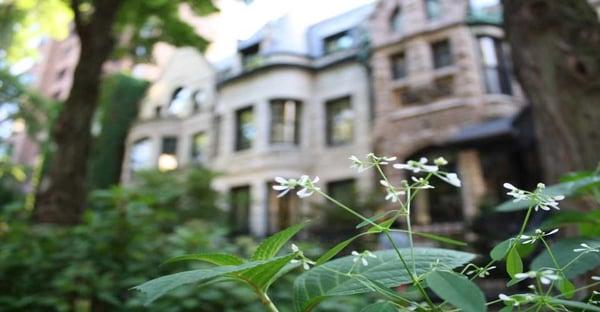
column 499, row 252
column 213, row 258
column 336, row 249
column 271, row 246
column 331, row 278
column 457, row 290
column 567, row 189
column 563, row 252
column 263, row 275
column 156, row 288
column 384, row 306
column 575, row 304
column 514, row 264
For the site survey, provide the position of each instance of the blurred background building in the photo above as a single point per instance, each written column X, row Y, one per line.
column 310, row 87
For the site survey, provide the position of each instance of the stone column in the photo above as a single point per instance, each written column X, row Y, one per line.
column 473, row 185
column 258, row 208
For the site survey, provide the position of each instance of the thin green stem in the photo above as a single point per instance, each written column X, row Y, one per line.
column 348, row 209
column 269, row 304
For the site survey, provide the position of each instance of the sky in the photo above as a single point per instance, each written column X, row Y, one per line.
column 238, row 20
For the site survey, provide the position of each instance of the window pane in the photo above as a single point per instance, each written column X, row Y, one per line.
column 340, row 121
column 141, row 155
column 198, row 146
column 343, row 190
column 285, row 121
column 396, row 20
column 398, row 66
column 433, row 9
column 488, row 51
column 495, row 67
column 338, row 42
column 180, row 100
column 442, row 55
column 240, row 209
column 169, row 145
column 167, row 160
column 251, row 57
column 246, row 129
column 282, row 210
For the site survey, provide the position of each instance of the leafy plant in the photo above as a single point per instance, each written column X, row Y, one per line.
column 433, row 279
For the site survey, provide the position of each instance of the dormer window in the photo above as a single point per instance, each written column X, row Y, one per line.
column 338, row 42
column 180, row 100
column 396, row 20
column 250, row 57
column 199, row 97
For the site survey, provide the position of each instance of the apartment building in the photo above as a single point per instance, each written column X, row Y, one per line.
column 285, row 105
column 443, row 86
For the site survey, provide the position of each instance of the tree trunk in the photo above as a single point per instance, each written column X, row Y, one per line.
column 64, row 199
column 555, row 47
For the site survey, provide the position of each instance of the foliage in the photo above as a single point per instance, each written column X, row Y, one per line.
column 117, row 109
column 446, row 273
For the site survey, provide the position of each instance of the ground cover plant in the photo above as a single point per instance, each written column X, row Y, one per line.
column 433, row 279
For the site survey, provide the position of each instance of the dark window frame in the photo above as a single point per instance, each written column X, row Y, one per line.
column 329, row 124
column 441, row 52
column 240, row 224
column 396, row 20
column 241, row 145
column 297, row 121
column 197, row 153
column 335, row 39
column 501, row 69
column 398, row 73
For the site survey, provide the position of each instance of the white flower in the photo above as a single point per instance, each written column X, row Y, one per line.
column 537, row 197
column 286, row 185
column 417, row 166
column 481, row 272
column 451, row 178
column 421, row 183
column 306, row 263
column 371, row 161
column 392, row 193
column 358, row 164
column 596, row 278
column 546, row 276
column 362, row 257
column 530, row 239
column 508, row 300
column 586, row 248
column 440, row 161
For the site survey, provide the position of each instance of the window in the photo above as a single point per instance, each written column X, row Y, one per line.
column 167, row 160
column 245, row 129
column 495, row 69
column 340, row 121
column 140, row 156
column 282, row 210
column 433, row 9
column 285, row 121
column 485, row 7
column 342, row 190
column 240, row 201
column 442, row 56
column 180, row 100
column 398, row 62
column 198, row 147
column 157, row 111
column 396, row 20
column 250, row 57
column 217, row 135
column 338, row 42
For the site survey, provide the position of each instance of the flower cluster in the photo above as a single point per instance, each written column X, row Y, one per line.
column 392, row 193
column 585, row 248
column 308, row 186
column 517, row 300
column 306, row 263
column 423, row 166
column 538, row 234
column 538, row 198
column 480, row 272
column 371, row 160
column 545, row 276
column 362, row 256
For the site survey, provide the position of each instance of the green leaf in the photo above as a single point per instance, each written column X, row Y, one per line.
column 440, row 238
column 263, row 275
column 500, row 251
column 156, row 288
column 575, row 304
column 563, row 252
column 331, row 278
column 383, row 306
column 457, row 290
column 568, row 189
column 566, row 288
column 214, row 258
column 270, row 246
column 336, row 249
column 514, row 264
column 374, row 218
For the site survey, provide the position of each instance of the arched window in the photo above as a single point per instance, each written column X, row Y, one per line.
column 140, row 156
column 396, row 20
column 180, row 100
